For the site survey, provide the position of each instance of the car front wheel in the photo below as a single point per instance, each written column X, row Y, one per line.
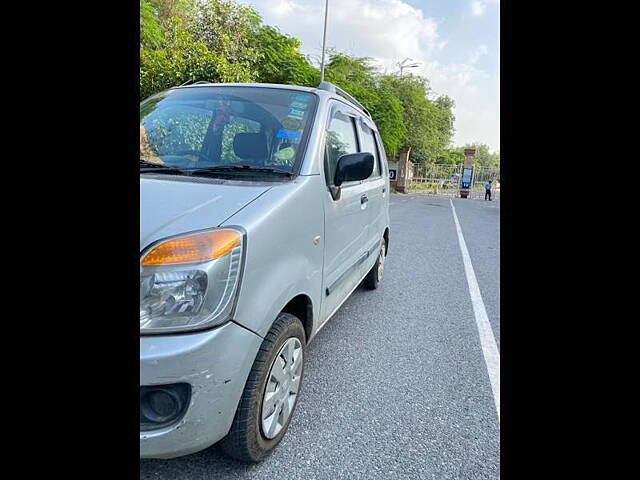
column 270, row 394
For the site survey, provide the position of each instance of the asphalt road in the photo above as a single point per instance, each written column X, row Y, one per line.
column 395, row 384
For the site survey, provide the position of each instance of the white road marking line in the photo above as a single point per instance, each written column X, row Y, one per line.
column 487, row 340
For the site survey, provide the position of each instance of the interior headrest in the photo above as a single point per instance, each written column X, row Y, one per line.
column 250, row 146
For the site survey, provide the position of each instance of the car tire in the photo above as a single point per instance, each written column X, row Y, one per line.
column 374, row 276
column 247, row 441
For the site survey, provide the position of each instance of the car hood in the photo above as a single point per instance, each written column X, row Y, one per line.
column 172, row 207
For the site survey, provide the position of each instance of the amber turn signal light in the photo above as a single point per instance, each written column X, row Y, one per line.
column 193, row 248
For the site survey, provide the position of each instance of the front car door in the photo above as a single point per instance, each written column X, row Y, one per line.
column 376, row 192
column 346, row 218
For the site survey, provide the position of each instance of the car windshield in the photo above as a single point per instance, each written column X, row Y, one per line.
column 218, row 128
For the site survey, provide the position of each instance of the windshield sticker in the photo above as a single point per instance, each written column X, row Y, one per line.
column 289, row 134
column 292, row 124
column 299, row 97
column 295, row 113
column 286, row 153
column 298, row 105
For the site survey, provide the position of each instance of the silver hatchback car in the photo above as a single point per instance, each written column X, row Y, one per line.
column 262, row 208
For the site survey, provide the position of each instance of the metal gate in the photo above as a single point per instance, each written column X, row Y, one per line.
column 431, row 179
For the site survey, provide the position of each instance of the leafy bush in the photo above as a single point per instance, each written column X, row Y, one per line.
column 184, row 59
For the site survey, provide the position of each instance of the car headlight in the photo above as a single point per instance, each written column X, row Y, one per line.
column 190, row 282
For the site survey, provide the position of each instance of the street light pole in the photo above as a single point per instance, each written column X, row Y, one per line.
column 324, row 39
column 403, row 66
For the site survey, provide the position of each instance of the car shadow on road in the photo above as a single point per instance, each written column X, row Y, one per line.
column 197, row 465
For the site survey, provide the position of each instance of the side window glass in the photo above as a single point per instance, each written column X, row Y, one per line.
column 369, row 145
column 341, row 139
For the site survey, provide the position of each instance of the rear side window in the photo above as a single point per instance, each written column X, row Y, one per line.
column 369, row 145
column 341, row 140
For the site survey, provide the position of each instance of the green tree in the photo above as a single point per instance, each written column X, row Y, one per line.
column 185, row 59
column 411, row 92
column 151, row 35
column 206, row 40
column 167, row 10
column 429, row 124
column 279, row 59
column 445, row 121
column 355, row 75
column 387, row 113
column 226, row 27
column 438, row 130
column 451, row 156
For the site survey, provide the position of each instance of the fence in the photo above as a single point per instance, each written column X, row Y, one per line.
column 445, row 180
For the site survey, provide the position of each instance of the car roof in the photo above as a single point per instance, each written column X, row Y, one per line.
column 259, row 85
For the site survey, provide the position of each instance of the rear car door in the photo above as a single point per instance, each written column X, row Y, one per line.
column 346, row 217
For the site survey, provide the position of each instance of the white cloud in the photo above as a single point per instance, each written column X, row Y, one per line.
column 477, row 53
column 389, row 31
column 376, row 28
column 478, row 7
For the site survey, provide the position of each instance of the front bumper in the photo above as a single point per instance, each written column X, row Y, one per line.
column 216, row 364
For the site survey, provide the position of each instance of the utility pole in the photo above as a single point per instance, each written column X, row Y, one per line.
column 324, row 39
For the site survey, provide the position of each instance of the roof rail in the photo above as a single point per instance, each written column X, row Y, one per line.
column 188, row 82
column 330, row 87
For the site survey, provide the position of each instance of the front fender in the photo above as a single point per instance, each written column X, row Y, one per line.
column 282, row 258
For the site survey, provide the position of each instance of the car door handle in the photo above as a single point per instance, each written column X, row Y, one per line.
column 364, row 199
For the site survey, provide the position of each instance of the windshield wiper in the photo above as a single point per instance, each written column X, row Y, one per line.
column 239, row 168
column 156, row 167
column 147, row 167
column 144, row 163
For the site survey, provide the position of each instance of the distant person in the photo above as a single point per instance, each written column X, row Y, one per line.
column 487, row 190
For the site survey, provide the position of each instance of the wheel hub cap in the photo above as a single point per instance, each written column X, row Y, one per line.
column 281, row 391
column 381, row 263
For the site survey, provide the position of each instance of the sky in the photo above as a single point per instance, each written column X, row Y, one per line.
column 456, row 43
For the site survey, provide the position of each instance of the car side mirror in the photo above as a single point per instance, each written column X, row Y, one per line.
column 353, row 167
